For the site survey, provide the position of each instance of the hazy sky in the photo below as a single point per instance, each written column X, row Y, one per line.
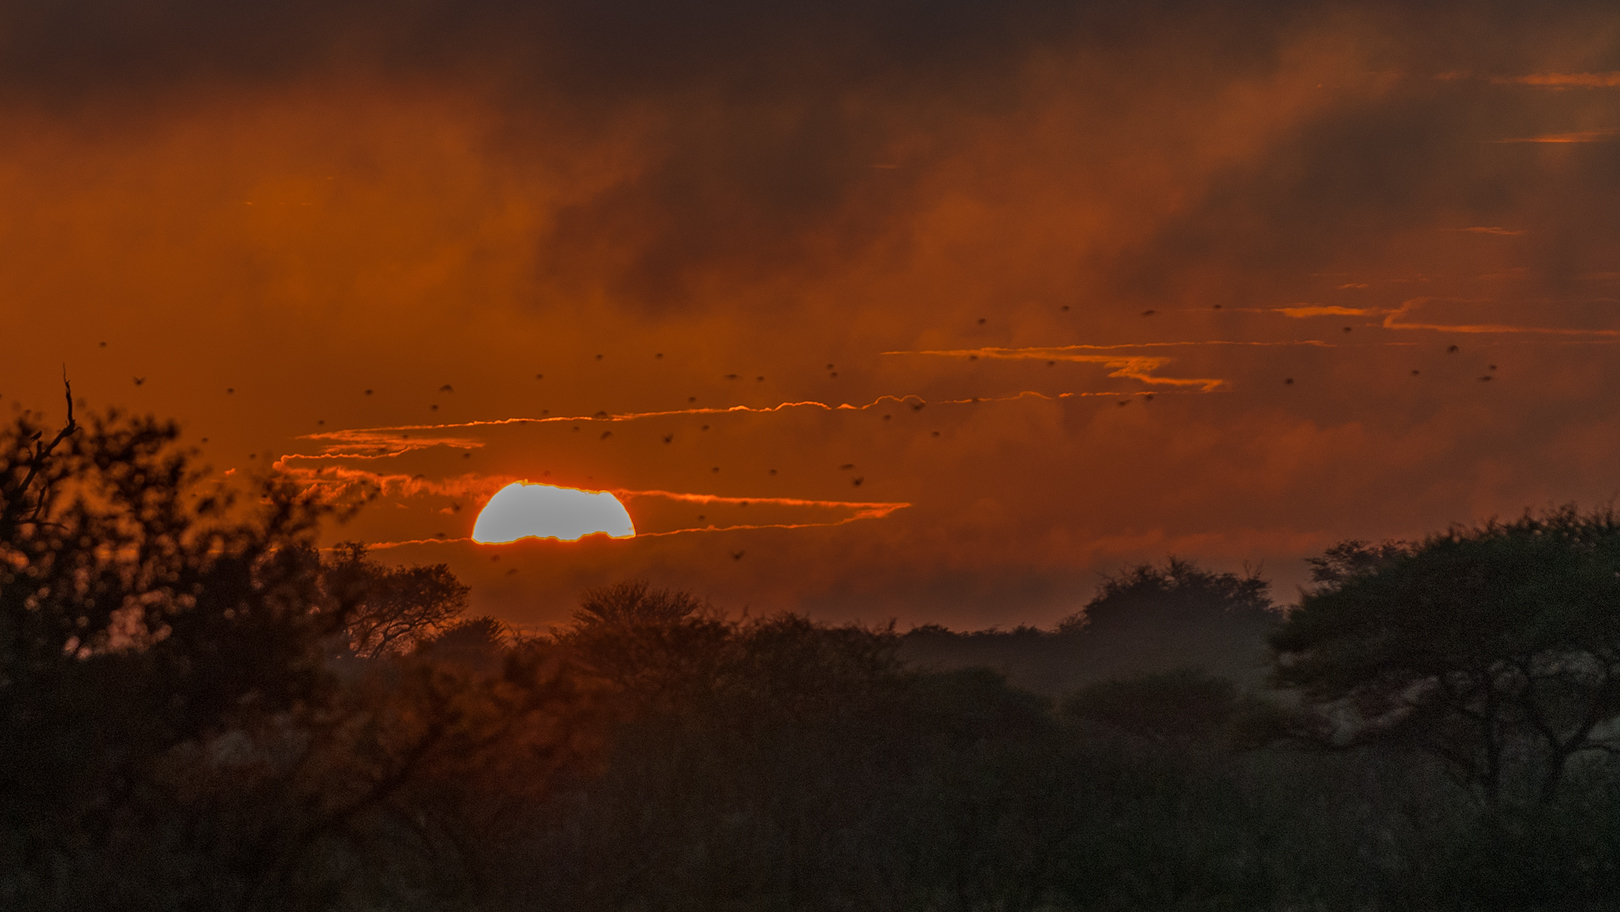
column 992, row 228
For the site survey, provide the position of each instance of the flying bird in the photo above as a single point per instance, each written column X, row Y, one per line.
column 1124, row 402
column 731, row 376
column 715, row 469
column 229, row 390
column 598, row 357
column 1288, row 381
column 1347, row 329
column 1452, row 350
column 887, row 417
column 981, row 321
column 1149, row 312
column 1064, row 307
column 737, row 555
column 659, row 355
column 773, row 471
column 936, row 433
column 606, row 434
column 139, row 380
column 1051, row 364
column 600, row 414
column 1486, row 378
column 1416, row 373
column 447, row 388
column 846, row 467
column 857, row 481
column 368, row 392
column 668, row 438
column 917, row 406
column 539, row 376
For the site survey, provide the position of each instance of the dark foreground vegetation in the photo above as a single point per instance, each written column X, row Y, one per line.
column 199, row 710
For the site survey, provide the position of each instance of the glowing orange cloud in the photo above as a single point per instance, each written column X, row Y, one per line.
column 522, row 510
column 1579, row 136
column 1134, row 367
column 1393, row 321
column 1563, row 80
column 1323, row 310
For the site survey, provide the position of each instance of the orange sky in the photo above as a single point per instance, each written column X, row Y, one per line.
column 990, row 229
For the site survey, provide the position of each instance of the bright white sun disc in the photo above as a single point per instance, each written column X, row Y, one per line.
column 523, row 510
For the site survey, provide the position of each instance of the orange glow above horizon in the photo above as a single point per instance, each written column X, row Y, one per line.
column 522, row 510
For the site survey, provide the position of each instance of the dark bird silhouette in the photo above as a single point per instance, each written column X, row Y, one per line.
column 715, row 469
column 606, row 434
column 103, row 345
column 705, row 427
column 1416, row 373
column 737, row 555
column 759, row 379
column 368, row 392
column 434, row 407
column 659, row 355
column 1051, row 364
column 691, row 399
column 447, row 388
column 229, row 390
column 1124, row 402
column 668, row 438
column 1148, row 397
column 917, row 406
column 1490, row 367
column 1149, row 312
column 1486, row 378
column 936, row 433
column 455, row 507
column 205, row 440
column 1452, row 350
column 846, row 467
column 576, row 427
column 321, row 422
column 773, row 471
column 973, row 357
column 829, row 367
column 539, row 376
column 600, row 414
column 981, row 321
column 139, row 380
column 1064, row 307
column 857, row 481
column 731, row 376
column 1288, row 381
column 598, row 357
column 887, row 417
column 511, row 571
column 1347, row 329
column 466, row 455
column 833, row 375
column 702, row 518
column 1217, row 307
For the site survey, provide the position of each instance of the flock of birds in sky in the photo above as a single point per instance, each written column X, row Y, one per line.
column 855, row 480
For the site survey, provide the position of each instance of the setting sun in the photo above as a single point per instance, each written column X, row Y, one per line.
column 522, row 510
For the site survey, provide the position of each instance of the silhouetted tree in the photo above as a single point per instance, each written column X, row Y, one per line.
column 390, row 610
column 1496, row 647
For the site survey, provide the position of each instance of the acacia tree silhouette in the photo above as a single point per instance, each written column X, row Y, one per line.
column 1496, row 647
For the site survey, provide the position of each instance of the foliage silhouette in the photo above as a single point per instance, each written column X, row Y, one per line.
column 1496, row 646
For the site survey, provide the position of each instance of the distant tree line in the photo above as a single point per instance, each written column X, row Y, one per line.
column 199, row 709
